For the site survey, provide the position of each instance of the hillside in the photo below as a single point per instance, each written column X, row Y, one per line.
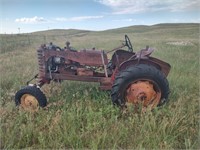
column 60, row 32
column 135, row 28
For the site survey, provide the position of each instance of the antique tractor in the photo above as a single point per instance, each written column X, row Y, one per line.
column 133, row 77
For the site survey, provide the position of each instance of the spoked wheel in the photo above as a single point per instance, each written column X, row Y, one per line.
column 140, row 85
column 30, row 98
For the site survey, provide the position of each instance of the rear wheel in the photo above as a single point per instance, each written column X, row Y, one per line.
column 142, row 84
column 30, row 98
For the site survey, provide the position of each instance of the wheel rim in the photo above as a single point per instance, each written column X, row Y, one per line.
column 144, row 92
column 29, row 102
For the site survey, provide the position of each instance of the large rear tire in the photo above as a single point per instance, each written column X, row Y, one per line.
column 30, row 98
column 140, row 84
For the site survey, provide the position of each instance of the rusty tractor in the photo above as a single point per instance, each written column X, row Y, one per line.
column 132, row 77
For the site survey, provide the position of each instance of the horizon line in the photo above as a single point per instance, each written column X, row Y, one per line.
column 93, row 30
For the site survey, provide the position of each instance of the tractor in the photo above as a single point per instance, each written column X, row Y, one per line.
column 131, row 77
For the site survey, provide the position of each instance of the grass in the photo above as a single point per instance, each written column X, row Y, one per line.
column 80, row 116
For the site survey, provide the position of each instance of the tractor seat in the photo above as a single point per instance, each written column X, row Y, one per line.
column 144, row 53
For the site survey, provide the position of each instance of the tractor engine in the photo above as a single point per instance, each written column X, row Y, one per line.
column 54, row 63
column 58, row 60
column 72, row 62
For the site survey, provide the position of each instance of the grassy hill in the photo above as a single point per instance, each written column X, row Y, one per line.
column 60, row 32
column 80, row 116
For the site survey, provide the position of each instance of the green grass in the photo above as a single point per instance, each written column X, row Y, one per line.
column 80, row 116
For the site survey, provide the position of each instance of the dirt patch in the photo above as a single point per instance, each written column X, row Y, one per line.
column 180, row 43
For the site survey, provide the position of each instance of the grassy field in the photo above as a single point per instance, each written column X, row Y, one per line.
column 80, row 116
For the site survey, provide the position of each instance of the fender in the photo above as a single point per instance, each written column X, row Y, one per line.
column 159, row 64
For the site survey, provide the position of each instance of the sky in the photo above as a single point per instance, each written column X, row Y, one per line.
column 25, row 16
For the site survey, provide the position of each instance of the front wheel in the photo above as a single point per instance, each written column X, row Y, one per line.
column 30, row 98
column 140, row 84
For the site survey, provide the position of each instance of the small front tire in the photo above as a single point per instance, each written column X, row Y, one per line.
column 30, row 98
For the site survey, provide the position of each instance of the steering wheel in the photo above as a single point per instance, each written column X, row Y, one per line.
column 128, row 43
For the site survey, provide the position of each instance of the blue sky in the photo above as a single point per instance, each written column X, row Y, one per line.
column 34, row 15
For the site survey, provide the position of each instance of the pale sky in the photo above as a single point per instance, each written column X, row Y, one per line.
column 35, row 15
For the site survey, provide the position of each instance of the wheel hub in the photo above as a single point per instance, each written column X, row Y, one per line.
column 29, row 102
column 143, row 92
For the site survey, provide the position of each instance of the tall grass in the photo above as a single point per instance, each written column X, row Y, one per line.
column 80, row 116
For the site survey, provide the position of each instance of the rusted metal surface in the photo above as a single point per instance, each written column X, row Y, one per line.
column 74, row 77
column 159, row 64
column 84, row 72
column 84, row 57
column 143, row 92
column 121, row 56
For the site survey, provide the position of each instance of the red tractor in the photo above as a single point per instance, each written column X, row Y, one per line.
column 133, row 77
